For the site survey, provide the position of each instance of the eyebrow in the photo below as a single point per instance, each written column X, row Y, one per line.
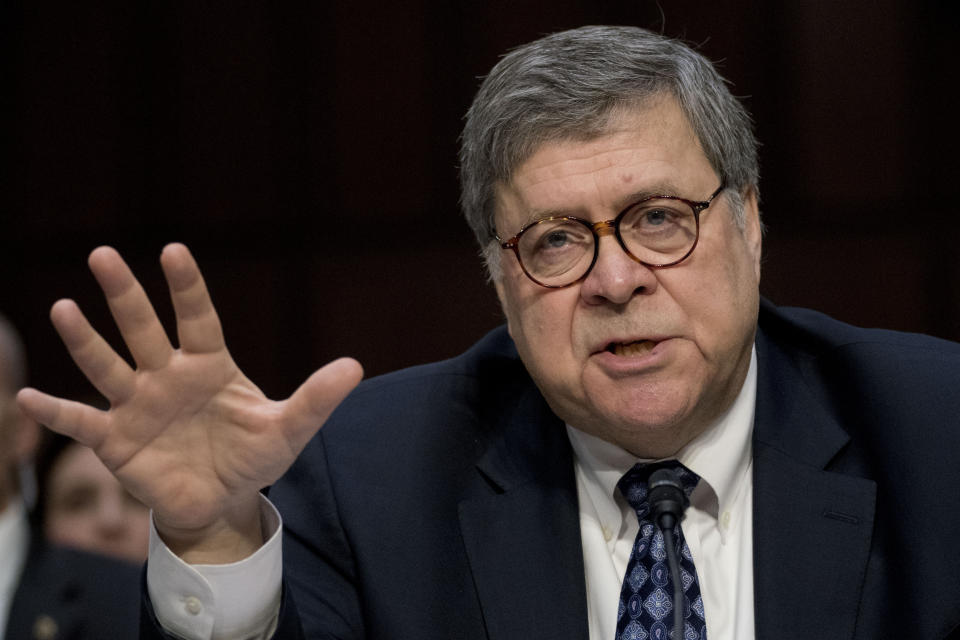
column 658, row 189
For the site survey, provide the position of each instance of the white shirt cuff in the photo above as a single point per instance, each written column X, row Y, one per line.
column 219, row 601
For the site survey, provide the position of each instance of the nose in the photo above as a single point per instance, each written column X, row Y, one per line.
column 616, row 277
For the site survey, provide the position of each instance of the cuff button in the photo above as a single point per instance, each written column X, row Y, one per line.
column 193, row 605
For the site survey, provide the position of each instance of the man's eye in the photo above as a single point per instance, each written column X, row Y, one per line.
column 655, row 217
column 555, row 239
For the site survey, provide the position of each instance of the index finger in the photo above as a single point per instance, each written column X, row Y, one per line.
column 198, row 325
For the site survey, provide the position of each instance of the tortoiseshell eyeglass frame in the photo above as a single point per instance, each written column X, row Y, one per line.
column 606, row 227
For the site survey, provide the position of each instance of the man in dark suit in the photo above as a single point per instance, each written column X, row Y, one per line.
column 611, row 180
column 848, row 511
column 48, row 592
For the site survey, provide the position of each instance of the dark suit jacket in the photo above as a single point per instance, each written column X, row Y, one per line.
column 440, row 501
column 72, row 595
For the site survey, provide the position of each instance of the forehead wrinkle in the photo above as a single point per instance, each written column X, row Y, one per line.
column 578, row 161
column 584, row 157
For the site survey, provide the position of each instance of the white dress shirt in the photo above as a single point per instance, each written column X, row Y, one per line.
column 717, row 526
column 14, row 546
column 242, row 599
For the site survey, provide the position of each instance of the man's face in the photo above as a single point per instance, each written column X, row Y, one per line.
column 645, row 358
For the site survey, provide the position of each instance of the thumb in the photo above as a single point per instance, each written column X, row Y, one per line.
column 310, row 405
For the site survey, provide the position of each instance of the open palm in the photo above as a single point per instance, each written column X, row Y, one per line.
column 186, row 432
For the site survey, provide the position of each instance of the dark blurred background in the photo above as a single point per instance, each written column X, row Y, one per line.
column 306, row 152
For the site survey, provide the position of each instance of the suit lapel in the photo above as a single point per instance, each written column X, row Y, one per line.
column 520, row 526
column 812, row 527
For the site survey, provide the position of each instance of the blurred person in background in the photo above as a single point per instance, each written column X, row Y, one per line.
column 47, row 591
column 81, row 505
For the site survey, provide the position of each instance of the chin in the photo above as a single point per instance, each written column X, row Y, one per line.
column 647, row 425
column 644, row 400
column 652, row 421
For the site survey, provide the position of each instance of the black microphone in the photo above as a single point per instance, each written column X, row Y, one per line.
column 667, row 504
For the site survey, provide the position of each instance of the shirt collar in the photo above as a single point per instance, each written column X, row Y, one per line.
column 720, row 455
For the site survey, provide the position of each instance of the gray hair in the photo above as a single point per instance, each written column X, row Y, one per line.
column 565, row 86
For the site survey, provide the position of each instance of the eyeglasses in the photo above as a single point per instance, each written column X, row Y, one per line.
column 658, row 231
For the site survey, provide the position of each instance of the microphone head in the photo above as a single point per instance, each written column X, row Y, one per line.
column 666, row 495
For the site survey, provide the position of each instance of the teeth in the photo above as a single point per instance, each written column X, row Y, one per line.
column 634, row 348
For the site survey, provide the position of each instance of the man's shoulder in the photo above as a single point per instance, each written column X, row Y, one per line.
column 873, row 377
column 483, row 374
column 428, row 411
column 816, row 335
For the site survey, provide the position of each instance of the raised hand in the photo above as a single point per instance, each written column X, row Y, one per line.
column 187, row 433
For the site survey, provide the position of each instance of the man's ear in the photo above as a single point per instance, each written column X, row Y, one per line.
column 753, row 228
column 502, row 297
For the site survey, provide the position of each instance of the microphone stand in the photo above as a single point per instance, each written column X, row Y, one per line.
column 667, row 504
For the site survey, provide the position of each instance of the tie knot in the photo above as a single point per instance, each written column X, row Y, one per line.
column 634, row 483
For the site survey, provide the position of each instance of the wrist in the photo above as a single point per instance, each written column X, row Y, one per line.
column 235, row 535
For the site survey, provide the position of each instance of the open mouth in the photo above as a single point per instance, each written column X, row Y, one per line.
column 638, row 348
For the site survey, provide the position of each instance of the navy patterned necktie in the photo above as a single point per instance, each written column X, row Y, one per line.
column 646, row 597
